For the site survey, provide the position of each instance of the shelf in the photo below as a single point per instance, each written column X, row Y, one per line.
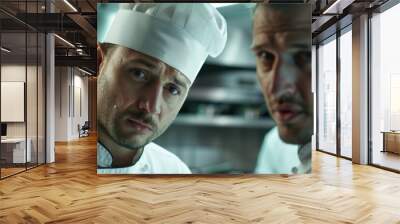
column 224, row 95
column 224, row 121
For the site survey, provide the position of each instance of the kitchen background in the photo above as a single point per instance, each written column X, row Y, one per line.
column 221, row 126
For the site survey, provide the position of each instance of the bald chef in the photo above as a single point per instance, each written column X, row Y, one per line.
column 150, row 55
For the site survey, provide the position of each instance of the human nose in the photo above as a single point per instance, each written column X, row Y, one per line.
column 284, row 76
column 150, row 101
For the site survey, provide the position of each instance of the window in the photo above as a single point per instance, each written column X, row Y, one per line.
column 346, row 92
column 22, row 78
column 327, row 95
column 385, row 88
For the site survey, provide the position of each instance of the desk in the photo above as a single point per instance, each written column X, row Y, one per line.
column 15, row 148
column 391, row 141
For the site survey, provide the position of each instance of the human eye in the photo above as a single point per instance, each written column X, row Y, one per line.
column 302, row 58
column 138, row 74
column 173, row 89
column 266, row 58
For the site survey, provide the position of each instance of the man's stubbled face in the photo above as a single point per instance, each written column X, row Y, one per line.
column 138, row 96
column 282, row 45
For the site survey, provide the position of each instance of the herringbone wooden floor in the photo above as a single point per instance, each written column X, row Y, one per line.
column 69, row 191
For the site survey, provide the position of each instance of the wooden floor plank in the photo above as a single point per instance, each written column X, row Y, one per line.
column 69, row 191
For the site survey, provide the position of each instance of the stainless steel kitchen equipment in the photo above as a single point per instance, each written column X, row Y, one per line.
column 222, row 124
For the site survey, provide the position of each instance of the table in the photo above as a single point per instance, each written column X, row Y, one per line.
column 13, row 150
column 391, row 141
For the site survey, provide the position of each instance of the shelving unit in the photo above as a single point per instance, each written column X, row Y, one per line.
column 224, row 121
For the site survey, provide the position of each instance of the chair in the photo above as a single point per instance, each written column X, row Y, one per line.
column 84, row 130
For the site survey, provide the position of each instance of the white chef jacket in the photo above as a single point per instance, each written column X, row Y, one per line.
column 278, row 157
column 154, row 160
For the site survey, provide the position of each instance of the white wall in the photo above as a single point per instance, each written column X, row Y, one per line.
column 16, row 73
column 61, row 103
column 71, row 93
column 13, row 73
column 33, row 126
column 79, row 110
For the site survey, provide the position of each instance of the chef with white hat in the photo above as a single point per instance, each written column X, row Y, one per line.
column 150, row 56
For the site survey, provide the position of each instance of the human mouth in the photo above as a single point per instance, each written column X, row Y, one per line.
column 287, row 113
column 139, row 125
